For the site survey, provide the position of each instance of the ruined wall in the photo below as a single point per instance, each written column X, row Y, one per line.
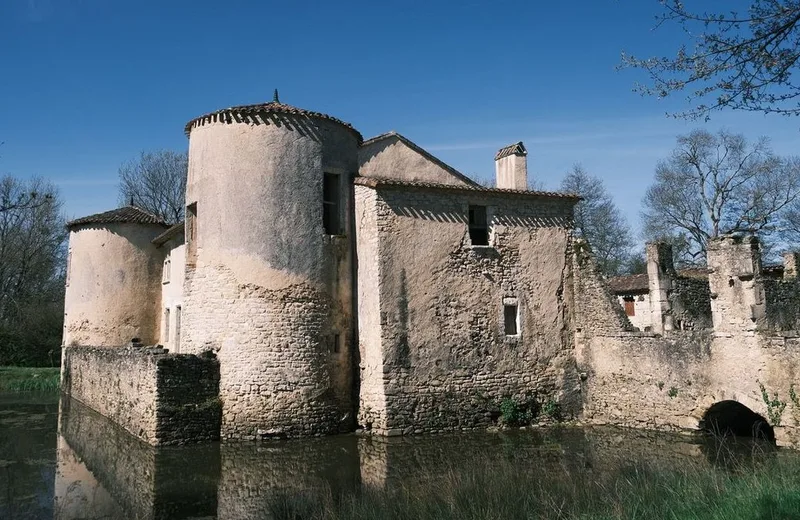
column 113, row 285
column 160, row 398
column 266, row 287
column 670, row 381
column 394, row 158
column 446, row 360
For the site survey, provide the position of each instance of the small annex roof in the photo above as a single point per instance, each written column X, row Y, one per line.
column 512, row 149
column 414, row 146
column 629, row 284
column 175, row 231
column 125, row 214
column 244, row 113
column 372, row 182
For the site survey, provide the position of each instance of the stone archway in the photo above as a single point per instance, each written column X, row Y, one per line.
column 726, row 418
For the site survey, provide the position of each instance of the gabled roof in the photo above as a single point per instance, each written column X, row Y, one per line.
column 169, row 234
column 244, row 113
column 372, row 182
column 512, row 149
column 126, row 214
column 411, row 144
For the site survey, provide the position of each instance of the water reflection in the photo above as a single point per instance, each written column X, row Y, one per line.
column 94, row 470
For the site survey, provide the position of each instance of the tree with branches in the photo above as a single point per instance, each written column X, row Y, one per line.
column 156, row 182
column 713, row 184
column 736, row 60
column 599, row 221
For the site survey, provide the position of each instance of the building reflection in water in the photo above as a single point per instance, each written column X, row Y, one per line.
column 104, row 472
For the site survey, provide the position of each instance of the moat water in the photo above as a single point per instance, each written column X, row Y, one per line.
column 63, row 461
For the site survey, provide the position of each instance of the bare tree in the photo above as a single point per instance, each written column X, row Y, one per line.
column 32, row 265
column 719, row 183
column 738, row 60
column 599, row 221
column 156, row 181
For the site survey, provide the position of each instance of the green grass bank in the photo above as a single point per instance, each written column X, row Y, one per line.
column 30, row 379
column 498, row 490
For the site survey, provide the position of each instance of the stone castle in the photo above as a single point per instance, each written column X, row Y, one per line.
column 322, row 283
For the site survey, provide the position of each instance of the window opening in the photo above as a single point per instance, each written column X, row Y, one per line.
column 510, row 314
column 478, row 226
column 166, row 325
column 335, row 347
column 191, row 232
column 330, row 204
column 166, row 273
column 177, row 344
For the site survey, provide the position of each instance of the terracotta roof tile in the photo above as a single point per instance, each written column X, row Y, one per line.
column 375, row 183
column 126, row 214
column 632, row 283
column 232, row 114
column 512, row 149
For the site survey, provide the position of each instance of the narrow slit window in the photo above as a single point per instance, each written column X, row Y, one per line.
column 177, row 344
column 166, row 271
column 335, row 346
column 191, row 232
column 478, row 226
column 510, row 315
column 166, row 326
column 330, row 204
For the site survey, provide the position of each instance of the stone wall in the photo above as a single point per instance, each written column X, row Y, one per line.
column 782, row 304
column 158, row 397
column 443, row 359
column 690, row 301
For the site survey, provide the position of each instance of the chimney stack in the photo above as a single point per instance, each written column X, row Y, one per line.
column 511, row 166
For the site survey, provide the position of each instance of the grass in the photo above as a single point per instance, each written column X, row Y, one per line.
column 767, row 490
column 30, row 379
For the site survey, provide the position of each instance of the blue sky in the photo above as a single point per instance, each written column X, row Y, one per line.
column 88, row 84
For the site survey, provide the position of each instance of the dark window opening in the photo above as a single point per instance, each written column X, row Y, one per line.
column 191, row 232
column 335, row 347
column 478, row 226
column 330, row 204
column 510, row 318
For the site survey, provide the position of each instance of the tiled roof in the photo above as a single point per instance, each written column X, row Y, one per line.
column 375, row 183
column 411, row 144
column 512, row 149
column 127, row 214
column 245, row 112
column 632, row 283
column 174, row 231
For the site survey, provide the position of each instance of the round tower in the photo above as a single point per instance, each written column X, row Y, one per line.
column 113, row 279
column 269, row 265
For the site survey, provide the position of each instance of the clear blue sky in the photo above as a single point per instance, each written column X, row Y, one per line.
column 88, row 84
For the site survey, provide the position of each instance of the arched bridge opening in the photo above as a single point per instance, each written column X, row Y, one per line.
column 727, row 418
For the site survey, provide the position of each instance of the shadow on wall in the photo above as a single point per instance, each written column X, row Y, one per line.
column 727, row 418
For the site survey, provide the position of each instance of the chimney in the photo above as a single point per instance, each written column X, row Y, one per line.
column 791, row 261
column 511, row 165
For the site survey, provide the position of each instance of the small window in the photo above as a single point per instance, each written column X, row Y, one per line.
column 478, row 226
column 331, row 220
column 166, row 271
column 335, row 346
column 191, row 232
column 511, row 316
column 69, row 266
column 166, row 326
column 177, row 343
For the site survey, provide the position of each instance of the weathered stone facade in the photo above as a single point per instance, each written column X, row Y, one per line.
column 341, row 285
